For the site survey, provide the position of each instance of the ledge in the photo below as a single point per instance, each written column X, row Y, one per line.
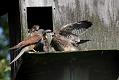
column 93, row 65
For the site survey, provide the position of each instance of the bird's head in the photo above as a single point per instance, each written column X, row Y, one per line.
column 40, row 31
column 49, row 32
column 48, row 35
column 34, row 28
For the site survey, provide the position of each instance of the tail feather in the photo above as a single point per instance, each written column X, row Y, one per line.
column 14, row 47
column 18, row 46
column 20, row 54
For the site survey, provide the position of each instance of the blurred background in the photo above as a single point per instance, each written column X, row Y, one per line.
column 4, row 46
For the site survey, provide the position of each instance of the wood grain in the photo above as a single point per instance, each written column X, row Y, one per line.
column 104, row 34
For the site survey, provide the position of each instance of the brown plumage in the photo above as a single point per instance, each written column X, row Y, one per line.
column 35, row 36
column 63, row 40
column 32, row 40
column 44, row 45
column 37, row 41
column 68, row 36
column 60, row 43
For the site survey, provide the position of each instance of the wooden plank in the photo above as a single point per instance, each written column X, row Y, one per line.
column 14, row 33
column 83, row 65
column 23, row 19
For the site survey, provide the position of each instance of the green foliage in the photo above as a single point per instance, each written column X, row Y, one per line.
column 4, row 24
column 4, row 40
column 4, row 70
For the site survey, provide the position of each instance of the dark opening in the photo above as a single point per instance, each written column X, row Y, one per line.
column 41, row 16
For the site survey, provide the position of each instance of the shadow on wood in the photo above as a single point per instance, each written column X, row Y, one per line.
column 84, row 65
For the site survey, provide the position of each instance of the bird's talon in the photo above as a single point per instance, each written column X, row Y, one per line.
column 34, row 50
column 31, row 52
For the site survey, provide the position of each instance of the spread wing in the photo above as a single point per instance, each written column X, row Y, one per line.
column 73, row 30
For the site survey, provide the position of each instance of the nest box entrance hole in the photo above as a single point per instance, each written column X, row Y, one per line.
column 41, row 16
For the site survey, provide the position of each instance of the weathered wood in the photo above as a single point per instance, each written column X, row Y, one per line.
column 86, row 65
column 104, row 14
column 14, row 33
column 23, row 19
column 103, row 34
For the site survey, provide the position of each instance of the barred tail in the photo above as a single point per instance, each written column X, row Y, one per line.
column 20, row 54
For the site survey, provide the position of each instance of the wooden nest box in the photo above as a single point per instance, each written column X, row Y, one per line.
column 86, row 65
column 98, row 58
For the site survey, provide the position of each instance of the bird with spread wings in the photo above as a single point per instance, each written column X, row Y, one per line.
column 64, row 39
column 68, row 36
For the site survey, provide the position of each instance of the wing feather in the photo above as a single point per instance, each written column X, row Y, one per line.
column 74, row 30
